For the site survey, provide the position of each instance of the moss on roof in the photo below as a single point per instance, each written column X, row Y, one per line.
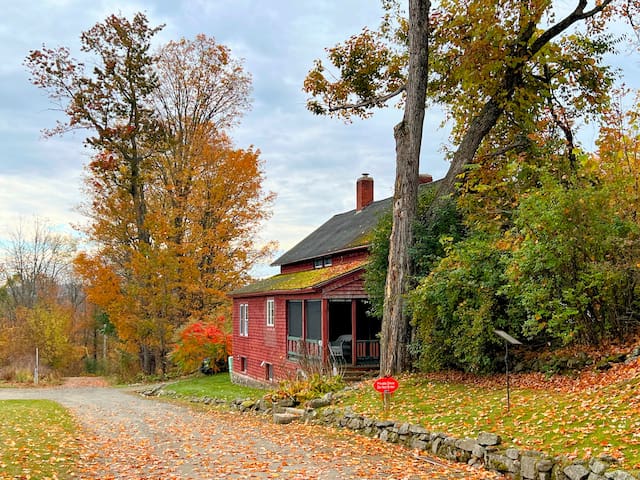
column 299, row 280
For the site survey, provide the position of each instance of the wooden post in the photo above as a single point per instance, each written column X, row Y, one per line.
column 35, row 370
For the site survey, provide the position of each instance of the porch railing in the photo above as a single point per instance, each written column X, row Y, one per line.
column 298, row 348
column 367, row 352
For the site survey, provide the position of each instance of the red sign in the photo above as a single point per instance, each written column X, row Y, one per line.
column 386, row 385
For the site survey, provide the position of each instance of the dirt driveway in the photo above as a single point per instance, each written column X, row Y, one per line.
column 126, row 436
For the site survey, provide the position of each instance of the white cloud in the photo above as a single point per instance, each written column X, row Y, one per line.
column 312, row 163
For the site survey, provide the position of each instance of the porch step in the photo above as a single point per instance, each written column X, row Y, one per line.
column 355, row 374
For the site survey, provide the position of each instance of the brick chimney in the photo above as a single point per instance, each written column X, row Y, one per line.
column 425, row 178
column 364, row 191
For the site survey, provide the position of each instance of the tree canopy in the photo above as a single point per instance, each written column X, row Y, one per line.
column 173, row 206
column 512, row 75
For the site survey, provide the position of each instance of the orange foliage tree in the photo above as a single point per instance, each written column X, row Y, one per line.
column 202, row 341
column 174, row 206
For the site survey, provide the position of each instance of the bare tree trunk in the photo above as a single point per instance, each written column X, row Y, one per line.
column 408, row 134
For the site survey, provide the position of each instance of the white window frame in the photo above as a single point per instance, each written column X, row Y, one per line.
column 271, row 312
column 244, row 319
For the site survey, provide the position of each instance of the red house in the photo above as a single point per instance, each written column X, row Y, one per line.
column 315, row 309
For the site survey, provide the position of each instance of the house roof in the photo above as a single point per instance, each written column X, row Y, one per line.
column 344, row 231
column 307, row 279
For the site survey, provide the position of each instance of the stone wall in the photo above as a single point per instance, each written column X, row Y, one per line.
column 483, row 451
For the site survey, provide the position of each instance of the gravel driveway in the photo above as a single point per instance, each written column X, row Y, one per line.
column 126, row 436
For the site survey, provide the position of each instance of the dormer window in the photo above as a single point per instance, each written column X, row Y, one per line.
column 322, row 262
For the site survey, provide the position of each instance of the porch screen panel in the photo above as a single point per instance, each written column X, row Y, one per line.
column 314, row 319
column 294, row 319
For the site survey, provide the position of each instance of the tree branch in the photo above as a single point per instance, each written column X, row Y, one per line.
column 520, row 144
column 368, row 103
column 575, row 16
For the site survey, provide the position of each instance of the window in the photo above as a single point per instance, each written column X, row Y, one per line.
column 268, row 372
column 313, row 314
column 244, row 320
column 294, row 319
column 243, row 364
column 271, row 312
column 322, row 262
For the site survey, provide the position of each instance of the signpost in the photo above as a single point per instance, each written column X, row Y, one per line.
column 386, row 386
column 35, row 369
column 508, row 339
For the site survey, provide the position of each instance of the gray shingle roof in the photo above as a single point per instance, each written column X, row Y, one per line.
column 343, row 231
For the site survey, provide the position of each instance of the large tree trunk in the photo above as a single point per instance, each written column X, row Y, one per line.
column 408, row 134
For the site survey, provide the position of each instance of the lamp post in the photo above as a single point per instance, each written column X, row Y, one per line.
column 508, row 340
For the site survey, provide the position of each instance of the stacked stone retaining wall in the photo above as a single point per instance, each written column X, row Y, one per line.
column 484, row 451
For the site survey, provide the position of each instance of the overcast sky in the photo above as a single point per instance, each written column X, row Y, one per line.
column 311, row 163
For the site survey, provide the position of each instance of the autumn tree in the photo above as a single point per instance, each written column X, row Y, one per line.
column 173, row 205
column 38, row 305
column 35, row 263
column 110, row 100
column 490, row 63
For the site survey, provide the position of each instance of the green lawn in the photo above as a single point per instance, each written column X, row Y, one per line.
column 214, row 386
column 36, row 440
column 586, row 423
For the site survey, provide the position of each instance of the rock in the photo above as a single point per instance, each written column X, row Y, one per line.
column 528, row 467
column 418, row 444
column 598, row 466
column 489, row 439
column 436, row 445
column 501, row 463
column 576, row 472
column 466, row 444
column 418, row 430
column 393, row 437
column 512, row 453
column 295, row 411
column 545, row 465
column 355, row 423
column 284, row 418
column 317, row 403
column 385, row 424
column 404, row 429
column 619, row 475
column 478, row 451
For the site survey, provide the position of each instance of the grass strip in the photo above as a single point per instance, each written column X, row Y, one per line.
column 214, row 386
column 37, row 440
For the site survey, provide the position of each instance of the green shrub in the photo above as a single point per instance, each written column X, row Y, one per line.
column 303, row 389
